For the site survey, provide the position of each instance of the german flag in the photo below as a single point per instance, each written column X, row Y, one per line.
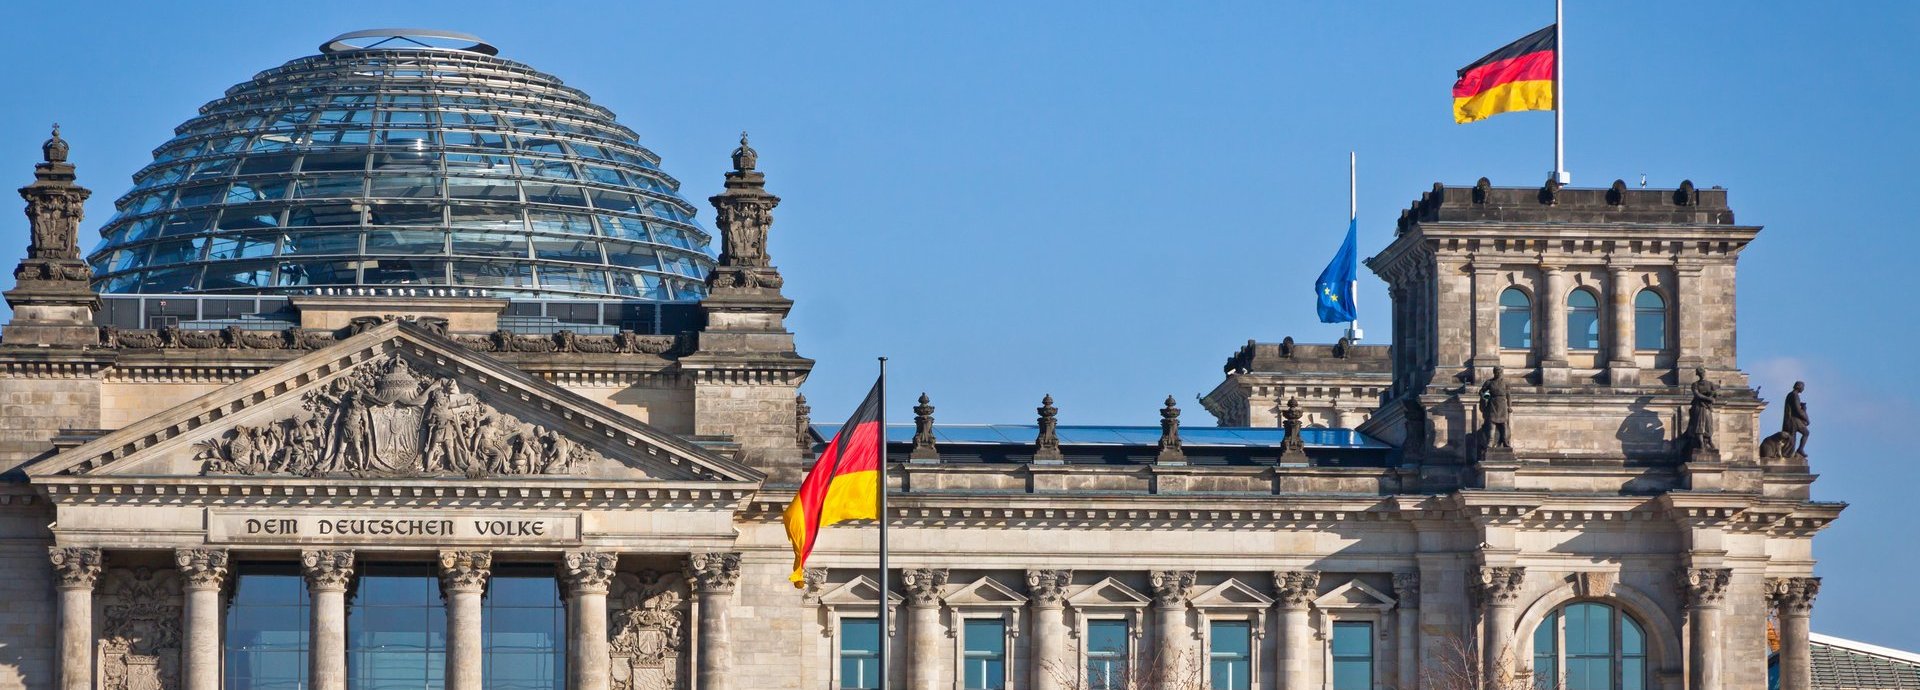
column 844, row 483
column 1516, row 77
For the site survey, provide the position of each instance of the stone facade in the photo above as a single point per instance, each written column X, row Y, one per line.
column 651, row 473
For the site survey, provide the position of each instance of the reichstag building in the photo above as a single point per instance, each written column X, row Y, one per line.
column 405, row 365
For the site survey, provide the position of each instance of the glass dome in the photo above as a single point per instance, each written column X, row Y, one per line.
column 390, row 159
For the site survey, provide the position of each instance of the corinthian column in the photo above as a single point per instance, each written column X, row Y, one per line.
column 1297, row 590
column 922, row 586
column 327, row 573
column 1170, row 591
column 1406, row 617
column 1792, row 598
column 204, row 570
column 1706, row 587
column 1049, row 668
column 75, row 572
column 713, row 577
column 1499, row 589
column 463, row 580
column 585, row 576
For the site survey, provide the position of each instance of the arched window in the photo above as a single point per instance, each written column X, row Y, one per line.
column 1589, row 646
column 1583, row 320
column 1649, row 321
column 1516, row 319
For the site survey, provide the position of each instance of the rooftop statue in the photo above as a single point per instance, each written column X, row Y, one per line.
column 1698, row 440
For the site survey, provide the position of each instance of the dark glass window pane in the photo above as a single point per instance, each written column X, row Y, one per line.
column 478, row 163
column 266, row 630
column 625, row 228
column 406, row 242
column 1546, row 668
column 325, row 162
column 556, row 194
column 488, row 217
column 237, row 276
column 550, row 221
column 524, row 630
column 242, row 246
column 170, row 280
column 477, row 274
column 405, row 214
column 1352, row 656
column 256, row 190
column 639, row 285
column 632, row 255
column 572, row 279
column 318, row 273
column 266, row 165
column 409, row 187
column 322, row 243
column 1649, row 321
column 186, row 223
column 985, row 654
column 178, row 251
column 615, row 201
column 859, row 653
column 1583, row 320
column 490, row 244
column 329, row 188
column 323, row 214
column 566, row 249
column 1230, row 658
column 396, row 629
column 1516, row 320
column 481, row 188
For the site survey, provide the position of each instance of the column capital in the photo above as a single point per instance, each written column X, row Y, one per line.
column 1500, row 585
column 587, row 572
column 203, row 568
column 75, row 568
column 327, row 571
column 1171, row 587
column 1047, row 589
column 465, row 571
column 714, row 572
column 1296, row 588
column 922, row 585
column 1406, row 590
column 1793, row 595
column 1706, row 587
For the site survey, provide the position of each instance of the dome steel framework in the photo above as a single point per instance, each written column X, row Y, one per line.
column 404, row 163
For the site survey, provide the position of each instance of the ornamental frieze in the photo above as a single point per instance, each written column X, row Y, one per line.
column 383, row 420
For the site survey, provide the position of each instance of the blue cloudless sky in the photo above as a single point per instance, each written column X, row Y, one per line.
column 1103, row 200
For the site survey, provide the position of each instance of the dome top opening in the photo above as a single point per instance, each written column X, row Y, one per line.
column 407, row 39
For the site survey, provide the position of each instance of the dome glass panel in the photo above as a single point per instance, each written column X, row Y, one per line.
column 392, row 161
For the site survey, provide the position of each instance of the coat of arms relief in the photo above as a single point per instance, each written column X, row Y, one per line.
column 385, row 420
column 648, row 619
column 139, row 643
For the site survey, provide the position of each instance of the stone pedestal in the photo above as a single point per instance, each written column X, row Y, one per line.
column 327, row 574
column 1049, row 668
column 922, row 586
column 204, row 571
column 585, row 576
column 1706, row 588
column 714, row 577
column 1792, row 598
column 463, row 580
column 1297, row 590
column 75, row 572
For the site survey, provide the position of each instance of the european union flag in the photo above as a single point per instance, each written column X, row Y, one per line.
column 1335, row 287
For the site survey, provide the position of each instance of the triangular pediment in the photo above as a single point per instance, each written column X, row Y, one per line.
column 396, row 401
column 985, row 592
column 1354, row 594
column 1108, row 592
column 1231, row 594
column 859, row 590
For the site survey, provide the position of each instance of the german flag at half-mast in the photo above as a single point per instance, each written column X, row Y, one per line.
column 1516, row 77
column 844, row 483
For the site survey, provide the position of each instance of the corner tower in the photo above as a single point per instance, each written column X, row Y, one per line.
column 1599, row 305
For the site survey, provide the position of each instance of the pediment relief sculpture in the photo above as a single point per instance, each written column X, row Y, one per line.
column 385, row 420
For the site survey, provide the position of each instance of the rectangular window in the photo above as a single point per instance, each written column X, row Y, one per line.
column 266, row 629
column 524, row 630
column 986, row 654
column 859, row 653
column 1352, row 656
column 1106, row 655
column 1230, row 655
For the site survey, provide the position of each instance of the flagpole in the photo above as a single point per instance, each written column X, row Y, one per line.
column 886, row 602
column 1353, row 214
column 1559, row 94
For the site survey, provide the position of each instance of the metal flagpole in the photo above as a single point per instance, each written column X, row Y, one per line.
column 1353, row 214
column 1560, row 94
column 886, row 602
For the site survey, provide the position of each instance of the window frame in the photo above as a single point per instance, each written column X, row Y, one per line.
column 1501, row 309
column 1599, row 319
column 1128, row 656
column 1666, row 320
column 1255, row 637
column 1008, row 638
column 1617, row 655
column 1004, row 604
column 1373, row 634
column 839, row 647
